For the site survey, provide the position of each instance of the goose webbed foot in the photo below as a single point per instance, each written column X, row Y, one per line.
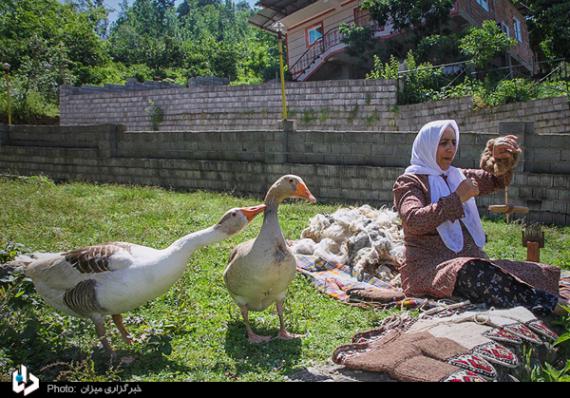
column 285, row 335
column 257, row 339
column 251, row 336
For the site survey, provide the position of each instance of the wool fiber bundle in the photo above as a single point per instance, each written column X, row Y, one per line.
column 498, row 167
column 369, row 240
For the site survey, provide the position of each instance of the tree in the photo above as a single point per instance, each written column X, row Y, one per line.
column 197, row 38
column 418, row 18
column 415, row 19
column 147, row 33
column 96, row 11
column 548, row 27
column 28, row 26
column 47, row 44
column 482, row 44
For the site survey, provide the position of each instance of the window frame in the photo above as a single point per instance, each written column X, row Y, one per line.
column 484, row 4
column 517, row 29
column 307, row 34
column 506, row 29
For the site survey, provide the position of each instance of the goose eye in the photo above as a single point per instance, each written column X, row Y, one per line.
column 234, row 214
column 291, row 180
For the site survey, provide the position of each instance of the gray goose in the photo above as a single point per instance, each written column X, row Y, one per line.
column 112, row 278
column 260, row 270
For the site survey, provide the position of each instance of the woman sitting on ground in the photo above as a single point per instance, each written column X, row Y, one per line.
column 443, row 235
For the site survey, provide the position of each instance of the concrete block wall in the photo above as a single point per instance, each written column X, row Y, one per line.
column 343, row 167
column 549, row 115
column 353, row 104
column 341, row 105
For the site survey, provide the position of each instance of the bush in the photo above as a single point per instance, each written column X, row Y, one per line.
column 420, row 81
column 514, row 90
column 553, row 89
column 417, row 84
column 468, row 87
column 111, row 73
column 380, row 70
column 28, row 106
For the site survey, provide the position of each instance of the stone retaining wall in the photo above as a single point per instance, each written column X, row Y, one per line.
column 344, row 167
column 362, row 104
column 339, row 105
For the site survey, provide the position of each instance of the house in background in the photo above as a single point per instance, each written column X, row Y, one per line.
column 315, row 50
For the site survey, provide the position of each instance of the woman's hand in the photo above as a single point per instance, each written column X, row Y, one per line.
column 467, row 189
column 505, row 147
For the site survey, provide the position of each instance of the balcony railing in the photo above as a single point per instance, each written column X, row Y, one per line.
column 329, row 40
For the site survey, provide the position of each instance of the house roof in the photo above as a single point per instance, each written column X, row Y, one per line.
column 275, row 10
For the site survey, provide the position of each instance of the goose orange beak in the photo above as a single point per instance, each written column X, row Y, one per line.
column 303, row 192
column 251, row 212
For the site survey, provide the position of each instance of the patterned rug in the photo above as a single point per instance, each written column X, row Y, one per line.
column 473, row 345
column 336, row 281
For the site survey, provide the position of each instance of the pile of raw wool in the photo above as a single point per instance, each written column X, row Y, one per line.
column 369, row 240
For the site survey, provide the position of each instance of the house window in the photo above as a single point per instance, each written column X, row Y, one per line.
column 314, row 33
column 484, row 4
column 517, row 31
column 505, row 28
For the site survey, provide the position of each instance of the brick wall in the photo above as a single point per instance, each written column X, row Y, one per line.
column 348, row 167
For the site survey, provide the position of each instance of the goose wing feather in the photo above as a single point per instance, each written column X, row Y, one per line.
column 65, row 270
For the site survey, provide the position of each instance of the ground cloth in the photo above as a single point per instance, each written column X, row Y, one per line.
column 337, row 281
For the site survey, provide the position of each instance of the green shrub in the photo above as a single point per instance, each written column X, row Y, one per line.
column 553, row 89
column 140, row 72
column 514, row 90
column 156, row 115
column 381, row 70
column 417, row 84
column 28, row 108
column 420, row 81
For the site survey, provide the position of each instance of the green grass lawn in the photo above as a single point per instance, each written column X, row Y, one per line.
column 194, row 332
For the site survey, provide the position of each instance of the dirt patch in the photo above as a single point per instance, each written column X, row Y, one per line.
column 336, row 373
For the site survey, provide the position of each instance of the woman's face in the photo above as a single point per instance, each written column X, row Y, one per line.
column 446, row 149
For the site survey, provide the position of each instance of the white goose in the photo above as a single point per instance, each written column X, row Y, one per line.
column 260, row 270
column 113, row 278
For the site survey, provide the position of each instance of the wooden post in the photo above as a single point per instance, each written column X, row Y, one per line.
column 533, row 240
column 533, row 251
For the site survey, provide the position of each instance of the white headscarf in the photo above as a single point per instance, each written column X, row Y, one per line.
column 424, row 161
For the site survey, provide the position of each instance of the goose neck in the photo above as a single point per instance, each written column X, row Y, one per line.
column 185, row 246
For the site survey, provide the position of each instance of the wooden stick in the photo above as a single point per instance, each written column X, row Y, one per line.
column 508, row 209
column 508, row 214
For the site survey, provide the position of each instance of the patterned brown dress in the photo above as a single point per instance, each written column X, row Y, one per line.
column 430, row 268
